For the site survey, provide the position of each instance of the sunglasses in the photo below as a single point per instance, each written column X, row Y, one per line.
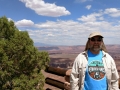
column 93, row 39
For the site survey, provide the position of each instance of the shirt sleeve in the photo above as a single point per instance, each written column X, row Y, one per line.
column 74, row 77
column 114, row 77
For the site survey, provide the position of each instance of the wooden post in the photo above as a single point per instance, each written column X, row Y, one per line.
column 57, row 71
column 55, row 83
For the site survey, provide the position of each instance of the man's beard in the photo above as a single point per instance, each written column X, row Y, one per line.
column 96, row 49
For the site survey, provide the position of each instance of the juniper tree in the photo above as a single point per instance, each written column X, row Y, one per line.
column 20, row 61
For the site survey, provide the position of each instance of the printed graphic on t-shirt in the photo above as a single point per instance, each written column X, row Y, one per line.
column 96, row 70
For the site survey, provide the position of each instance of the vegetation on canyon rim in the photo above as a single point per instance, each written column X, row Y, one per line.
column 20, row 61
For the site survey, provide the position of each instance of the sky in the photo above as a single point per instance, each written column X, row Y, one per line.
column 64, row 22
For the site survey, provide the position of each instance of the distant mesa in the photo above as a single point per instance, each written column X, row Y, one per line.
column 38, row 44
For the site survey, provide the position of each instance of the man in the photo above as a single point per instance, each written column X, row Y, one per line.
column 94, row 69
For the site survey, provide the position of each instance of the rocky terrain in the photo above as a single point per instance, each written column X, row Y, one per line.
column 63, row 57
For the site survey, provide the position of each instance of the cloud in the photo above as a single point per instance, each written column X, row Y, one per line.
column 82, row 1
column 24, row 23
column 51, row 35
column 113, row 12
column 58, row 25
column 46, row 9
column 70, row 32
column 90, row 18
column 88, row 7
column 9, row 19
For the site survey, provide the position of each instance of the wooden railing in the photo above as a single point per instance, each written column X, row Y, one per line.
column 65, row 73
column 60, row 72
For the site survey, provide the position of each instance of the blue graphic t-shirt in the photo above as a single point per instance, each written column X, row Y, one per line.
column 95, row 78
